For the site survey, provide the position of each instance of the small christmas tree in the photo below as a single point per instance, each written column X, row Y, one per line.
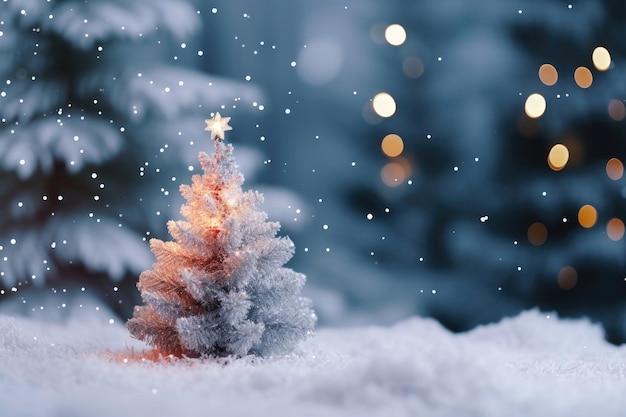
column 220, row 287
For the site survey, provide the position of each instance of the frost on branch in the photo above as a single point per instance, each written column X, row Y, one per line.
column 220, row 287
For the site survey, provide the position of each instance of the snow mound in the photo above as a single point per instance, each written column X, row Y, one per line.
column 534, row 364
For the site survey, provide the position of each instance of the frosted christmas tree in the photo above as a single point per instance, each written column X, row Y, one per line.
column 220, row 287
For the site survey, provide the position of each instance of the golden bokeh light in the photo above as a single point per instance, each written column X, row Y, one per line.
column 558, row 157
column 615, row 229
column 535, row 105
column 384, row 105
column 395, row 34
column 392, row 145
column 587, row 216
column 537, row 234
column 617, row 111
column 567, row 278
column 548, row 74
column 583, row 77
column 396, row 172
column 413, row 67
column 601, row 58
column 614, row 169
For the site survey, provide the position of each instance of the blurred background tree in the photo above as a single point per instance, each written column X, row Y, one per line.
column 506, row 206
column 95, row 108
column 450, row 225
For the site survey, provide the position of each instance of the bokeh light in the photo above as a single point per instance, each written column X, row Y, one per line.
column 413, row 67
column 587, row 216
column 377, row 33
column 548, row 74
column 395, row 173
column 615, row 229
column 384, row 105
column 617, row 111
column 583, row 77
column 614, row 169
column 395, row 34
column 537, row 234
column 392, row 145
column 567, row 278
column 369, row 115
column 535, row 105
column 558, row 157
column 601, row 58
column 320, row 61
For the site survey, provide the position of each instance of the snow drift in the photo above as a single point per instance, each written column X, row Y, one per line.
column 532, row 365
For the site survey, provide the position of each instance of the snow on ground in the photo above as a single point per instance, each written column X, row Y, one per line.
column 531, row 365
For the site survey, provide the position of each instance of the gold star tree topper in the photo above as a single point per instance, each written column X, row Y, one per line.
column 217, row 126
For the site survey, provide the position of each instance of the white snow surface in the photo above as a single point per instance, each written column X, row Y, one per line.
column 534, row 364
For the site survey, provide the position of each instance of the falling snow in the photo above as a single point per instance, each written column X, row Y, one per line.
column 506, row 182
